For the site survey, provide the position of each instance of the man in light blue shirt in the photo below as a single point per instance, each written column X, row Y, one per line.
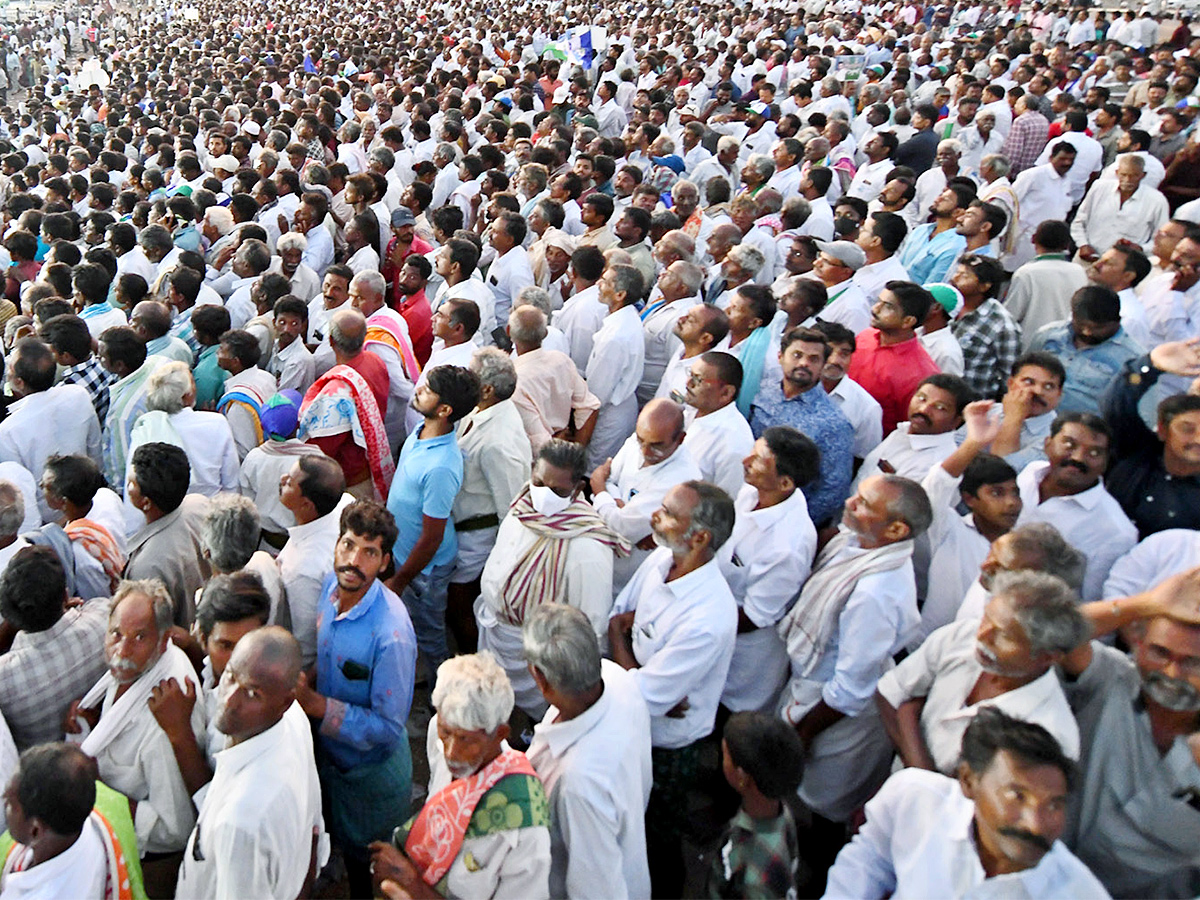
column 930, row 249
column 428, row 477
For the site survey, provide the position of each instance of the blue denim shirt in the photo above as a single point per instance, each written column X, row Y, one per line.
column 1089, row 369
column 366, row 666
column 814, row 414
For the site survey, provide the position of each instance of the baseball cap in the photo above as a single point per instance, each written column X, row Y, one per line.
column 845, row 252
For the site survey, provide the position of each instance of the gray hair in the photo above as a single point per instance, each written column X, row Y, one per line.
column 628, row 280
column 1137, row 161
column 527, row 328
column 728, row 142
column 683, row 185
column 473, row 693
column 690, row 273
column 1046, row 608
column 12, row 508
column 495, row 367
column 230, row 531
column 713, row 513
column 762, row 164
column 1046, row 541
column 384, row 156
column 532, row 295
column 748, row 257
column 560, row 642
column 164, row 607
column 445, row 151
column 564, row 455
column 679, row 241
column 167, row 386
column 911, row 506
column 372, row 281
column 293, row 240
column 952, row 144
column 998, row 163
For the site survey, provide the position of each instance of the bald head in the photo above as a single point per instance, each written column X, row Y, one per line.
column 259, row 683
column 347, row 333
column 151, row 319
column 527, row 327
column 659, row 430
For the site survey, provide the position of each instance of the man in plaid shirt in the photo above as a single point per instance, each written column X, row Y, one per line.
column 57, row 654
column 989, row 337
column 69, row 338
column 1027, row 138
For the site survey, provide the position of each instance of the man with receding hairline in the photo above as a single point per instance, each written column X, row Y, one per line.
column 253, row 837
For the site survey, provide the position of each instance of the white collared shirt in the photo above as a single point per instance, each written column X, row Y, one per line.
column 79, row 871
column 579, row 319
column 944, row 670
column 304, row 561
column 596, row 772
column 718, row 442
column 918, row 843
column 910, row 455
column 661, row 341
column 253, row 837
column 765, row 561
column 683, row 637
column 873, row 277
column 614, row 367
column 60, row 420
column 1091, row 521
column 863, row 411
column 1158, row 557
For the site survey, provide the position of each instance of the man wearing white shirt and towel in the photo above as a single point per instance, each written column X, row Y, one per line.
column 119, row 731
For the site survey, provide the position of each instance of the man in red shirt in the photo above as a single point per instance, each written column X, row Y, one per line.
column 403, row 244
column 408, row 299
column 888, row 359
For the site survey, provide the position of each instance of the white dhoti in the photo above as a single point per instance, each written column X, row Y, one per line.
column 503, row 641
column 614, row 423
column 474, row 547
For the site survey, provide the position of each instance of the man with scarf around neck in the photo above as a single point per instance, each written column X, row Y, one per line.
column 484, row 831
column 552, row 547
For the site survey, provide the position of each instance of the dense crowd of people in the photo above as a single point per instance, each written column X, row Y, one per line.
column 767, row 435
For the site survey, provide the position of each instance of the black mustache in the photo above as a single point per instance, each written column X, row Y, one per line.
column 1075, row 464
column 356, row 571
column 1028, row 836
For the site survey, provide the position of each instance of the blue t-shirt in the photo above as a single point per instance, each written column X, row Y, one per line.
column 428, row 477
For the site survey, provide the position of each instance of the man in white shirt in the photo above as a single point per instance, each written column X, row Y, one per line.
column 855, row 611
column 44, row 419
column 767, row 557
column 131, row 749
column 1067, row 491
column 592, row 752
column 60, row 844
column 627, row 489
column 1005, row 660
column 254, row 833
column 674, row 628
column 934, row 412
column 1125, row 209
column 615, row 365
column 718, row 437
column 880, row 238
column 510, row 272
column 1089, row 155
column 314, row 492
column 863, row 410
column 678, row 290
column 992, row 832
